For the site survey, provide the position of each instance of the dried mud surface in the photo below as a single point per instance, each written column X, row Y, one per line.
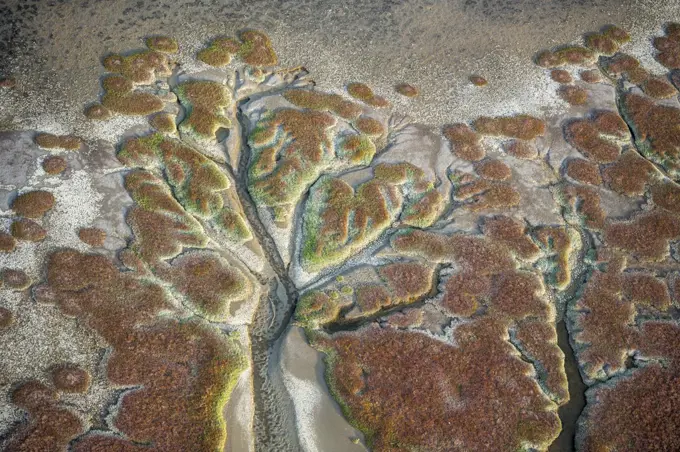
column 350, row 227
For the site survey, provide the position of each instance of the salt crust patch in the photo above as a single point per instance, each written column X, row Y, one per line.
column 76, row 206
column 306, row 397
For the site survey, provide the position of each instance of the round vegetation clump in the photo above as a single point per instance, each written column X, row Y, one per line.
column 8, row 82
column 364, row 93
column 70, row 378
column 29, row 230
column 6, row 318
column 50, row 141
column 33, row 204
column 163, row 44
column 561, row 76
column 54, row 165
column 15, row 279
column 163, row 122
column 92, row 236
column 7, row 243
column 478, row 80
column 219, row 52
column 369, row 126
column 407, row 90
column 97, row 112
column 591, row 76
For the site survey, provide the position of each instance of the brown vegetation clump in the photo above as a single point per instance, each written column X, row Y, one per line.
column 561, row 76
column 601, row 44
column 182, row 371
column 639, row 411
column 364, row 93
column 369, row 126
column 280, row 181
column 603, row 323
column 54, row 165
column 584, row 203
column 538, row 341
column 7, row 243
column 204, row 102
column 576, row 55
column 257, row 49
column 478, row 80
column 669, row 47
column 92, row 236
column 556, row 240
column 645, row 236
column 163, row 44
column 493, row 170
column 591, row 76
column 140, row 67
column 573, row 95
column 119, row 97
column 484, row 194
column 6, row 319
column 219, row 51
column 209, row 283
column 163, row 122
column 97, row 112
column 49, row 426
column 465, row 142
column 645, row 289
column 319, row 101
column 33, row 204
column 513, row 234
column 29, row 230
column 584, row 171
column 524, row 127
column 465, row 293
column 521, row 149
column 586, row 136
column 407, row 90
column 161, row 227
column 372, row 298
column 369, row 369
column 630, row 174
column 70, row 378
column 658, row 88
column 656, row 129
column 50, row 141
column 15, row 279
column 8, row 82
column 666, row 194
column 407, row 281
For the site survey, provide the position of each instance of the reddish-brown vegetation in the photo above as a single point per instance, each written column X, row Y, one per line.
column 407, row 90
column 630, row 174
column 54, row 165
column 7, row 242
column 524, row 127
column 29, row 230
column 666, row 194
column 584, row 171
column 513, row 234
column 478, row 80
column 465, row 143
column 15, row 279
column 561, row 76
column 493, row 169
column 656, row 130
column 70, row 378
column 50, row 141
column 646, row 235
column 364, row 93
column 92, row 236
column 521, row 149
column 33, row 204
column 591, row 76
column 669, row 47
column 6, row 319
